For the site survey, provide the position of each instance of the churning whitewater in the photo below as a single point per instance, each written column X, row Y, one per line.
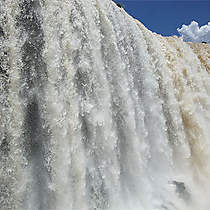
column 99, row 113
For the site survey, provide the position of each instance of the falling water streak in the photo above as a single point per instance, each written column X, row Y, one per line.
column 97, row 112
column 11, row 174
column 36, row 132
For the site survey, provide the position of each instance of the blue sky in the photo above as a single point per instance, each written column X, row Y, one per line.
column 164, row 17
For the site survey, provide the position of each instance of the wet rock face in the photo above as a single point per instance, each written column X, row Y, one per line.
column 119, row 5
column 181, row 190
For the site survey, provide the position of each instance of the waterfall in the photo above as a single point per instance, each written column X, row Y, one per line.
column 99, row 113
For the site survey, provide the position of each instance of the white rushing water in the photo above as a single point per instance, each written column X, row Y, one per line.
column 98, row 113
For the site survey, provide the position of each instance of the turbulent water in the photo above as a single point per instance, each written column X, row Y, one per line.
column 99, row 113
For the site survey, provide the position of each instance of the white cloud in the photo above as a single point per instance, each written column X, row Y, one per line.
column 194, row 33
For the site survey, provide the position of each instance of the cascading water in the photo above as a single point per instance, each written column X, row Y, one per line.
column 98, row 113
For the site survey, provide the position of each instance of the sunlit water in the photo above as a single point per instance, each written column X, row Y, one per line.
column 98, row 113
